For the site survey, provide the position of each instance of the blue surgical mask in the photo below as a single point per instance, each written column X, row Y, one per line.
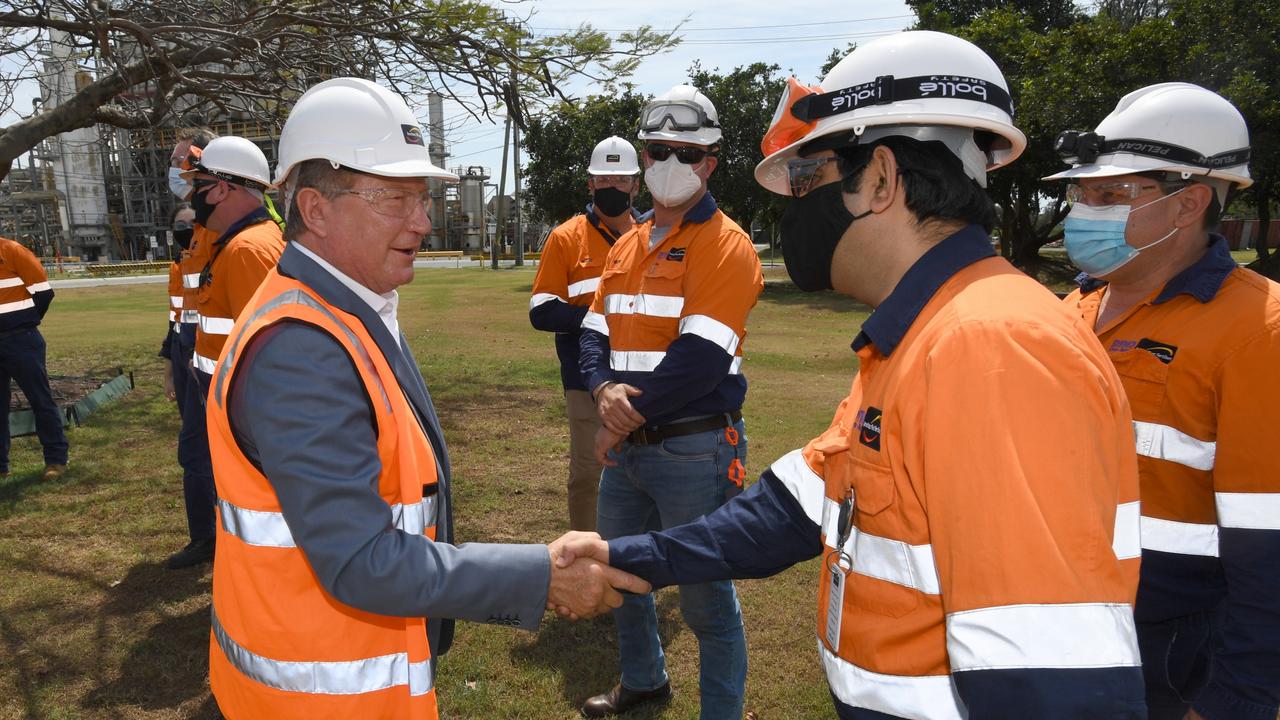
column 178, row 185
column 1095, row 237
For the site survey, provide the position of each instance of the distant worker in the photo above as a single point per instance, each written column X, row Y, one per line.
column 568, row 274
column 661, row 352
column 25, row 295
column 182, row 228
column 198, row 493
column 1196, row 341
column 975, row 499
column 336, row 580
column 228, row 183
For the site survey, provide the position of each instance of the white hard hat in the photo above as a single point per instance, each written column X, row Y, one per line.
column 921, row 84
column 357, row 124
column 1170, row 127
column 682, row 114
column 614, row 156
column 233, row 159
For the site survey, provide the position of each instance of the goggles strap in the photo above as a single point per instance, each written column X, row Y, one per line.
column 233, row 179
column 887, row 89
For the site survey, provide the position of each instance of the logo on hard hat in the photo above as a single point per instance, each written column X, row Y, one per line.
column 613, row 158
column 412, row 135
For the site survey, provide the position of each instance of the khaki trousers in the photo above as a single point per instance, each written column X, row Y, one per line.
column 584, row 471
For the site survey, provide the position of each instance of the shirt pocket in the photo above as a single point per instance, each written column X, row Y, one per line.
column 1145, row 377
column 665, row 277
column 884, row 576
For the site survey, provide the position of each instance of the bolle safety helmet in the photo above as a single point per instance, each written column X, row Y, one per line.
column 921, row 84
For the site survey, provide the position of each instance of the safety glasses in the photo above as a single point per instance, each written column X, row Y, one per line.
column 683, row 115
column 1112, row 193
column 805, row 174
column 685, row 154
column 786, row 128
column 393, row 202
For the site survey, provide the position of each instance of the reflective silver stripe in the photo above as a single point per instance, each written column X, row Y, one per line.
column 709, row 328
column 16, row 306
column 1166, row 443
column 204, row 364
column 634, row 360
column 173, row 316
column 1127, row 541
column 1179, row 537
column 216, row 325
column 1076, row 635
column 895, row 561
column 262, row 528
column 802, row 482
column 1253, row 511
column 350, row 677
column 175, row 300
column 595, row 321
column 647, row 361
column 542, row 299
column 39, row 287
column 190, row 317
column 11, row 282
column 191, row 281
column 584, row 287
column 415, row 518
column 923, row 697
column 668, row 306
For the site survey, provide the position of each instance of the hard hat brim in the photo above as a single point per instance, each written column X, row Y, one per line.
column 1140, row 164
column 402, row 169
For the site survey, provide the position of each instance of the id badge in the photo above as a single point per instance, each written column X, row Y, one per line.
column 835, row 606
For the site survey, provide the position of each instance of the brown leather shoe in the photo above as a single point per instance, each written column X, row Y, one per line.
column 53, row 472
column 620, row 699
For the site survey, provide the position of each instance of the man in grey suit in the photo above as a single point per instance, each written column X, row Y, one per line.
column 331, row 544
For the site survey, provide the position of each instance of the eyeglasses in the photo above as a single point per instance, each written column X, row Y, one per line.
column 685, row 154
column 393, row 202
column 1115, row 193
column 804, row 174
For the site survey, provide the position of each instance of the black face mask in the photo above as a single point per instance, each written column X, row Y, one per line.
column 182, row 236
column 611, row 201
column 812, row 226
column 200, row 203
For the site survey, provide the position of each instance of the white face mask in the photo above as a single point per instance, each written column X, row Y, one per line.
column 178, row 185
column 671, row 182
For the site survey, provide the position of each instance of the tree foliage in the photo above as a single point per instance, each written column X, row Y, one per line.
column 148, row 59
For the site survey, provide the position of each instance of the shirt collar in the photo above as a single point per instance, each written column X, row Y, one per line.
column 253, row 217
column 603, row 229
column 702, row 210
column 384, row 304
column 889, row 323
column 1201, row 280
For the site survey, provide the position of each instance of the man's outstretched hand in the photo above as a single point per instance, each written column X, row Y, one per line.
column 582, row 585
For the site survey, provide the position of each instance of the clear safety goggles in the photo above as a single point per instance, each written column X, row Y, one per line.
column 785, row 128
column 1112, row 193
column 805, row 174
column 684, row 115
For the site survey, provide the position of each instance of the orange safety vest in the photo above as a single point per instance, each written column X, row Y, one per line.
column 234, row 272
column 933, row 442
column 192, row 261
column 281, row 647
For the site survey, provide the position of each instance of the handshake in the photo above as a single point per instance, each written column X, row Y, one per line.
column 582, row 583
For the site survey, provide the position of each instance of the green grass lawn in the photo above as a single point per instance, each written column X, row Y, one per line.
column 92, row 626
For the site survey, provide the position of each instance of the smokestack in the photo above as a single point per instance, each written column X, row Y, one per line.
column 436, row 150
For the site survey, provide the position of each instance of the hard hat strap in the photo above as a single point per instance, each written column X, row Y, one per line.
column 1085, row 148
column 233, row 179
column 888, row 89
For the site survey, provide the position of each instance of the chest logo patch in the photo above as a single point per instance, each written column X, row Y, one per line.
column 1162, row 350
column 675, row 254
column 867, row 425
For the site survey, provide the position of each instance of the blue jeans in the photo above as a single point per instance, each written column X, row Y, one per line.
column 22, row 361
column 661, row 486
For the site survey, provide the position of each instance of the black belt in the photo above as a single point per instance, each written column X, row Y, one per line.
column 657, row 433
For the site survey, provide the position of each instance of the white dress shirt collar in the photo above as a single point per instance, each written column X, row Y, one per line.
column 384, row 304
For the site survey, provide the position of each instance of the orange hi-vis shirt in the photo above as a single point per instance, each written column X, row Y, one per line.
column 235, row 266
column 280, row 646
column 25, row 292
column 671, row 319
column 986, row 451
column 1198, row 360
column 191, row 262
column 568, row 275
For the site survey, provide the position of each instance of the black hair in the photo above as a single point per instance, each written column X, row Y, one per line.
column 933, row 178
